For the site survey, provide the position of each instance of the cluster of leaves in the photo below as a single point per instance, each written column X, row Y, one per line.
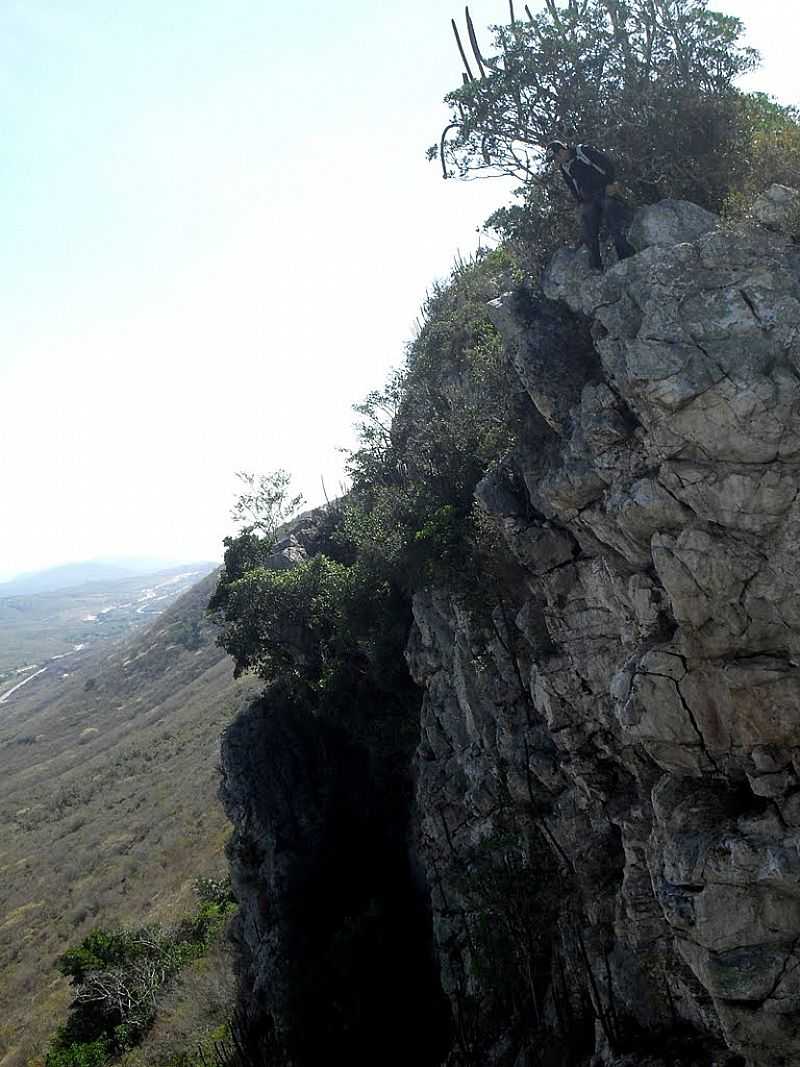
column 339, row 620
column 430, row 436
column 770, row 144
column 650, row 80
column 264, row 504
column 118, row 976
column 308, row 625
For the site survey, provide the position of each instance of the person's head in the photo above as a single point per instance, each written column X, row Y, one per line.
column 557, row 151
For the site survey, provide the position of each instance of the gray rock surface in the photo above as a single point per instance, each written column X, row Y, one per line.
column 778, row 208
column 670, row 222
column 609, row 754
column 638, row 704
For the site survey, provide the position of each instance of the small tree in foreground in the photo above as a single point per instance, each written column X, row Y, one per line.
column 260, row 511
column 264, row 505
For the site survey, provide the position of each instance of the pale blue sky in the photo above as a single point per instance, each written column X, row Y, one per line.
column 218, row 225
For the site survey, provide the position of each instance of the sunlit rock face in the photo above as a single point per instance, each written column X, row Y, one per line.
column 606, row 818
column 639, row 704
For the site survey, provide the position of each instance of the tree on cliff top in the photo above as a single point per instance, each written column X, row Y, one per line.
column 652, row 81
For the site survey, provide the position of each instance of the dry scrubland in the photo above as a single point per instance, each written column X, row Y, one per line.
column 191, row 1014
column 36, row 626
column 108, row 807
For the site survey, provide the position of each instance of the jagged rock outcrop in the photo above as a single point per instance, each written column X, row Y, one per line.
column 608, row 772
column 649, row 719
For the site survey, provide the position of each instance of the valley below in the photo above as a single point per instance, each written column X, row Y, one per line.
column 56, row 631
column 108, row 778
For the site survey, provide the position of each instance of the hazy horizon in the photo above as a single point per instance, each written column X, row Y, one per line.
column 220, row 231
column 122, row 562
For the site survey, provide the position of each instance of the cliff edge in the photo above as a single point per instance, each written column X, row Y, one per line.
column 604, row 827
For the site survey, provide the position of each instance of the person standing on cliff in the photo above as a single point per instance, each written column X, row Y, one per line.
column 589, row 176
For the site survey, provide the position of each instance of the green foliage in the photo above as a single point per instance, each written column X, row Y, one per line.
column 118, row 976
column 770, row 144
column 195, row 935
column 323, row 628
column 650, row 80
column 265, row 504
column 285, row 623
column 217, row 891
column 78, row 1053
column 336, row 623
column 260, row 511
column 104, row 948
column 410, row 513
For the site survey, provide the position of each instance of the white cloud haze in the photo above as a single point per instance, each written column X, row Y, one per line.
column 220, row 230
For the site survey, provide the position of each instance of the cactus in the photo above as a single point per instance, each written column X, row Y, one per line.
column 470, row 75
column 473, row 40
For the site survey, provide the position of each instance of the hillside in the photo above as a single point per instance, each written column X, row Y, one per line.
column 108, row 806
column 39, row 627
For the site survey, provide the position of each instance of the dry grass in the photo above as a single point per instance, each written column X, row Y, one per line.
column 108, row 807
column 192, row 1013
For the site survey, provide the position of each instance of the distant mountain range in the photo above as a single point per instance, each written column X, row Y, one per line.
column 69, row 575
column 46, row 624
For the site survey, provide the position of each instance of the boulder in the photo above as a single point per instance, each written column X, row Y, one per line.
column 669, row 222
column 778, row 208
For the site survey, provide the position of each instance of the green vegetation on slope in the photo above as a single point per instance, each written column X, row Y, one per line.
column 108, row 805
column 652, row 82
column 328, row 637
column 120, row 977
column 409, row 519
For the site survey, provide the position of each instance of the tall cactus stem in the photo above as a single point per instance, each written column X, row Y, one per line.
column 470, row 75
column 473, row 40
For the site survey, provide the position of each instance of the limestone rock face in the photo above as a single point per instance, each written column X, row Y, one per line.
column 637, row 702
column 607, row 775
column 670, row 222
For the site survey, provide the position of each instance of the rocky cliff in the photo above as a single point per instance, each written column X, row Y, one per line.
column 602, row 847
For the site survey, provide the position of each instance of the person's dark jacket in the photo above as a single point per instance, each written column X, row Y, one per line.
column 587, row 172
